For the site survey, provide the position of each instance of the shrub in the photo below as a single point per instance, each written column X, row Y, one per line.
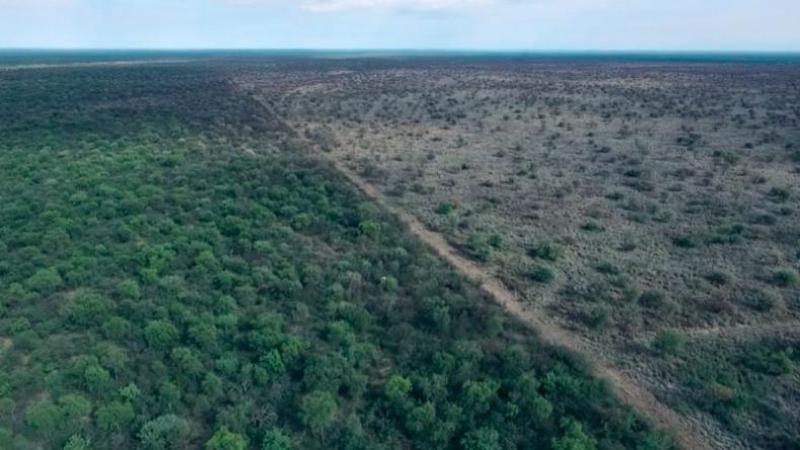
column 653, row 298
column 592, row 226
column 480, row 247
column 546, row 251
column 779, row 195
column 684, row 242
column 496, row 241
column 786, row 278
column 543, row 275
column 370, row 229
column 762, row 301
column 599, row 316
column 773, row 363
column 607, row 268
column 718, row 278
column 445, row 209
column 669, row 342
column 720, row 393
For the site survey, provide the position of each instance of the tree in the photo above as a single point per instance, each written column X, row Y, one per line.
column 160, row 334
column 370, row 229
column 44, row 418
column 167, row 432
column 275, row 439
column 44, row 281
column 74, row 408
column 77, row 442
column 482, row 439
column 397, row 388
column 89, row 310
column 273, row 363
column 96, row 377
column 224, row 439
column 130, row 393
column 129, row 289
column 115, row 416
column 420, row 419
column 318, row 410
column 574, row 438
column 478, row 395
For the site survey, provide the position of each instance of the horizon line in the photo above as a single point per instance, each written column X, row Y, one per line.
column 391, row 49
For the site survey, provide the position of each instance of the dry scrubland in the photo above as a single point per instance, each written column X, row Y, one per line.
column 650, row 208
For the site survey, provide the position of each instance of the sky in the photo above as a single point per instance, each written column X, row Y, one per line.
column 512, row 25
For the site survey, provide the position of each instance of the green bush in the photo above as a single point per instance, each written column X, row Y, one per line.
column 779, row 195
column 543, row 275
column 224, row 439
column 599, row 316
column 445, row 209
column 607, row 268
column 45, row 281
column 685, row 242
column 480, row 247
column 653, row 298
column 786, row 278
column 719, row 278
column 669, row 342
column 592, row 226
column 547, row 251
column 318, row 410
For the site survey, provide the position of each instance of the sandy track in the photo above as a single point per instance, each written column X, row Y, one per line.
column 747, row 331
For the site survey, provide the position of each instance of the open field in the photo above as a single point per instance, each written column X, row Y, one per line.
column 650, row 209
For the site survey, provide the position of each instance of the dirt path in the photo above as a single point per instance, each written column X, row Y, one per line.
column 747, row 331
column 688, row 433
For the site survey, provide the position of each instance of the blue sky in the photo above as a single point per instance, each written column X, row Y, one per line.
column 722, row 25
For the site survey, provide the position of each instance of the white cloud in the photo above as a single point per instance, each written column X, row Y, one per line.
column 35, row 4
column 340, row 5
column 388, row 5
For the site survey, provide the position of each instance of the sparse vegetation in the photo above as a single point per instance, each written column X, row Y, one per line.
column 659, row 202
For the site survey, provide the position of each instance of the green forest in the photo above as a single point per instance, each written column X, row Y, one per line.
column 176, row 272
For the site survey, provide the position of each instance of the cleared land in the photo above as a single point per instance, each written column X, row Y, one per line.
column 650, row 209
